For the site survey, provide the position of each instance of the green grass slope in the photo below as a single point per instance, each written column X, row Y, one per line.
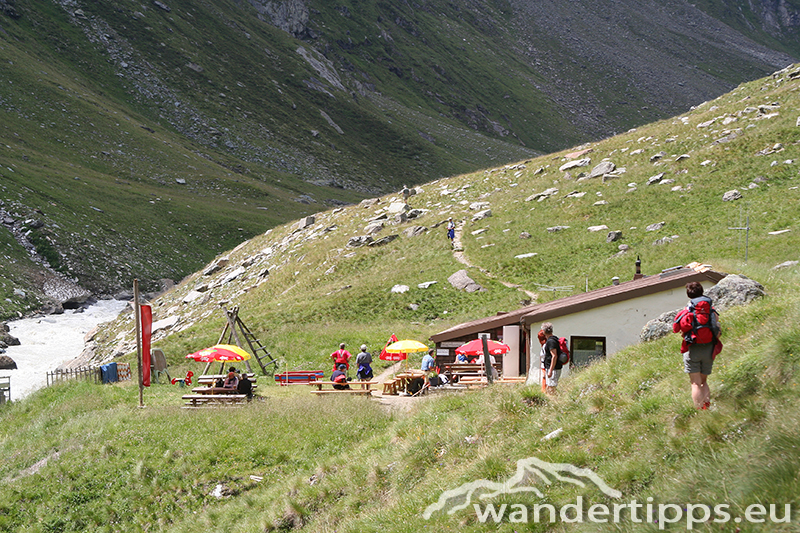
column 83, row 457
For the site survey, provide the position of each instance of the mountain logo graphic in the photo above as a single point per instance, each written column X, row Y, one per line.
column 529, row 472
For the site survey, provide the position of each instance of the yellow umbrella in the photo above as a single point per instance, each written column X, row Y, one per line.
column 406, row 346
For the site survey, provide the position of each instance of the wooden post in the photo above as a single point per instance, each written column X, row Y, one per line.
column 138, row 340
column 487, row 361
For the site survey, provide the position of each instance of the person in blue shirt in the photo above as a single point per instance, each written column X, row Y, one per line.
column 428, row 361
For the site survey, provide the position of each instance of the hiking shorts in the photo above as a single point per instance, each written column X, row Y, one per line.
column 698, row 359
column 552, row 381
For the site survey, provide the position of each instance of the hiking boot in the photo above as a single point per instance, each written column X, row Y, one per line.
column 706, row 406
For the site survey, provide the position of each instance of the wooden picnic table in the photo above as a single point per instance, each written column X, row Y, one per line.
column 356, row 387
column 298, row 377
column 209, row 379
column 456, row 371
column 400, row 381
column 214, row 390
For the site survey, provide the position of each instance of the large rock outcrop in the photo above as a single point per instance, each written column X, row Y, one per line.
column 732, row 290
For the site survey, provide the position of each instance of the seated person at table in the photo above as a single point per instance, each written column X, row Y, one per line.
column 480, row 360
column 340, row 378
column 461, row 358
column 245, row 386
column 231, row 381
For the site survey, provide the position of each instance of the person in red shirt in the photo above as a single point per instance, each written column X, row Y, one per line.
column 341, row 357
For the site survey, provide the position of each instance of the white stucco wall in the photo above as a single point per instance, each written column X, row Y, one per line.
column 620, row 323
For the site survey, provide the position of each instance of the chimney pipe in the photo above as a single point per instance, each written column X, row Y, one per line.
column 638, row 274
column 615, row 280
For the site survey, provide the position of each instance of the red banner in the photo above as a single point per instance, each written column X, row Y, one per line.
column 147, row 327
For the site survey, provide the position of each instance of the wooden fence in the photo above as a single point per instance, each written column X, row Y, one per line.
column 86, row 373
column 5, row 389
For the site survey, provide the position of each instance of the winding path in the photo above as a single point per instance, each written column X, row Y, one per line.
column 458, row 254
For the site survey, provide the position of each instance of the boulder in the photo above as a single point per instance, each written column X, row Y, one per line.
column 361, row 240
column 398, row 207
column 216, row 266
column 660, row 326
column 369, row 202
column 655, row 179
column 373, row 228
column 786, row 264
column 482, row 214
column 732, row 195
column 594, row 229
column 603, row 168
column 400, row 289
column 735, row 289
column 655, row 227
column 304, row 222
column 414, row 231
column 385, row 240
column 524, row 235
column 461, row 281
column 556, row 229
column 575, row 164
column 614, row 236
column 657, row 156
column 6, row 363
column 542, row 195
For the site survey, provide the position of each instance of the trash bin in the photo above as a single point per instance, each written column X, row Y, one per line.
column 108, row 373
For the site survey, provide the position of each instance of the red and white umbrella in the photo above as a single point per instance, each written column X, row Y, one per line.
column 219, row 353
column 474, row 348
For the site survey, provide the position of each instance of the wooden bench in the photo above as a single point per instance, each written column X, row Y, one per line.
column 356, row 387
column 481, row 381
column 456, row 371
column 194, row 401
column 390, row 386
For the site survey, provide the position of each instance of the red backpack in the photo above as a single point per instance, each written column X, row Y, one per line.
column 563, row 351
column 697, row 322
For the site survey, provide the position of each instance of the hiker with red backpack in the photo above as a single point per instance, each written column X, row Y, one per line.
column 699, row 324
column 556, row 356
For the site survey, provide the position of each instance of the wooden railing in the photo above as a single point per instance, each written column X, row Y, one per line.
column 86, row 373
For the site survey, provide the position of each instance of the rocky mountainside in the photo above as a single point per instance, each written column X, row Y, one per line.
column 139, row 140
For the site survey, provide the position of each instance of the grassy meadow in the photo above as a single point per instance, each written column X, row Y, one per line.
column 84, row 457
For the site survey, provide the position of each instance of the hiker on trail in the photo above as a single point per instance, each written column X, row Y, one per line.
column 542, row 340
column 341, row 357
column 552, row 364
column 700, row 328
column 363, row 362
column 451, row 229
column 406, row 194
column 339, row 377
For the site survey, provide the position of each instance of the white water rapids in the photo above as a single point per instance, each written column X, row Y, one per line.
column 48, row 341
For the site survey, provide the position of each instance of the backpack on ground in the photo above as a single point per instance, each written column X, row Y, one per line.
column 563, row 351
